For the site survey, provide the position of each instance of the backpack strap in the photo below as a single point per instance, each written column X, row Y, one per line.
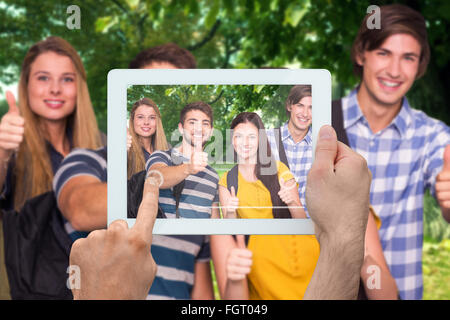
column 134, row 195
column 337, row 121
column 232, row 181
column 247, row 239
column 232, row 178
column 177, row 189
column 280, row 147
column 177, row 194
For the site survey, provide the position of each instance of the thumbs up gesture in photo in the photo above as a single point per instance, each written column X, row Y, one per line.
column 239, row 261
column 232, row 205
column 11, row 128
column 199, row 159
column 443, row 185
column 288, row 192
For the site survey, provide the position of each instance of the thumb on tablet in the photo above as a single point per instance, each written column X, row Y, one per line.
column 148, row 208
column 326, row 149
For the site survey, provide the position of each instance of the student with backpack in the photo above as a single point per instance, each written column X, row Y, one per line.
column 144, row 135
column 183, row 261
column 292, row 144
column 197, row 197
column 265, row 188
column 53, row 115
column 337, row 195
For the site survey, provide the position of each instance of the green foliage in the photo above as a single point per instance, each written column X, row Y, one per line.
column 436, row 270
column 435, row 227
column 221, row 34
column 3, row 106
column 230, row 34
column 226, row 101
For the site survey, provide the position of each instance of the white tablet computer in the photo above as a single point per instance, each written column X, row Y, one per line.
column 229, row 92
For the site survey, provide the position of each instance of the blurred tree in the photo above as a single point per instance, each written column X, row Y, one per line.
column 221, row 34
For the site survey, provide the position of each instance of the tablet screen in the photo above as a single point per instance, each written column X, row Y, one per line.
column 232, row 147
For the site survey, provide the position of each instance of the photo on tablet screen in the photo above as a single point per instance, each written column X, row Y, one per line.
column 231, row 148
column 236, row 132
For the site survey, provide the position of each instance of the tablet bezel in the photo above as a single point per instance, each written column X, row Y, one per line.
column 118, row 82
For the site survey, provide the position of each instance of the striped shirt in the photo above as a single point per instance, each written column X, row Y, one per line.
column 199, row 193
column 404, row 159
column 299, row 155
column 175, row 256
column 80, row 162
column 7, row 193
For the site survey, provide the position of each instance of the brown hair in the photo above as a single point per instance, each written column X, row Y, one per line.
column 33, row 170
column 169, row 52
column 296, row 94
column 395, row 19
column 135, row 157
column 199, row 105
column 270, row 181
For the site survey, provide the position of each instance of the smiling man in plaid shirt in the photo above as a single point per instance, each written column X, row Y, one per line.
column 404, row 147
column 296, row 135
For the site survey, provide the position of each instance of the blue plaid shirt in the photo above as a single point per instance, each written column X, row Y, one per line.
column 299, row 155
column 404, row 159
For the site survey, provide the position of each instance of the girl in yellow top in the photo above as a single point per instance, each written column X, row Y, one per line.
column 265, row 191
column 275, row 266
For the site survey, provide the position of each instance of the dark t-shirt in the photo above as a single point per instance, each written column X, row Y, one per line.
column 7, row 195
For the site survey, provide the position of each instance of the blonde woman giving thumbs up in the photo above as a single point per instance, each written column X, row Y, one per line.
column 259, row 266
column 53, row 114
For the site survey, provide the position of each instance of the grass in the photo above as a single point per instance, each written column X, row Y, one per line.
column 214, row 281
column 436, row 269
column 436, row 252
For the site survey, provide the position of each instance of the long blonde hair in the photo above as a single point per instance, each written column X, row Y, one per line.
column 33, row 169
column 136, row 158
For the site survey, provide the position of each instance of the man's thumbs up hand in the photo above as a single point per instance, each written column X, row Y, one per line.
column 443, row 184
column 199, row 159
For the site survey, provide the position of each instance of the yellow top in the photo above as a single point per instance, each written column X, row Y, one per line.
column 254, row 198
column 376, row 217
column 282, row 264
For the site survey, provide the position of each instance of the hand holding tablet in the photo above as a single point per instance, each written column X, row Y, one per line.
column 116, row 263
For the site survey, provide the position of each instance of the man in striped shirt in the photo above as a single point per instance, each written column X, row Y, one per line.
column 189, row 163
column 80, row 186
column 183, row 261
column 404, row 148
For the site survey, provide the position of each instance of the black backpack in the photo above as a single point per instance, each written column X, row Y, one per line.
column 135, row 188
column 134, row 195
column 37, row 250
